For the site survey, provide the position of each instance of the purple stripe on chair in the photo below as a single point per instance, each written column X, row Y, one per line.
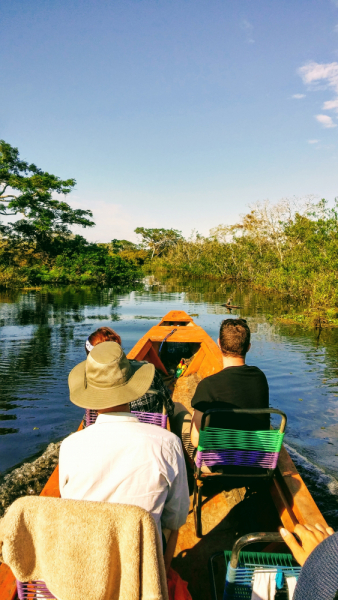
column 33, row 589
column 245, row 458
column 151, row 418
column 91, row 416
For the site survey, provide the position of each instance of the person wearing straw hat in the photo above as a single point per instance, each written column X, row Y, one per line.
column 119, row 459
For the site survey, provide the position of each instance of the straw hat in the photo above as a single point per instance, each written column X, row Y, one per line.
column 108, row 379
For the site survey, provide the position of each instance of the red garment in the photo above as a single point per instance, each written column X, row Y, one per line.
column 177, row 588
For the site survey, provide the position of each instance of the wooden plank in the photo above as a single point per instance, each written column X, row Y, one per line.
column 284, row 510
column 296, row 493
column 195, row 363
column 153, row 358
column 177, row 315
column 210, row 365
column 7, row 583
column 52, row 486
column 141, row 352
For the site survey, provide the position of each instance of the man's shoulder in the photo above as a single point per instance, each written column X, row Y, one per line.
column 161, row 437
column 159, row 434
column 229, row 371
column 78, row 435
column 227, row 375
column 75, row 439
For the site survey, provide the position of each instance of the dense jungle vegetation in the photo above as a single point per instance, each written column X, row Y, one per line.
column 38, row 247
column 290, row 247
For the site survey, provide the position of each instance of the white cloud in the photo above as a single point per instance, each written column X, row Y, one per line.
column 331, row 105
column 335, row 29
column 314, row 72
column 298, row 96
column 312, row 141
column 326, row 121
column 327, row 74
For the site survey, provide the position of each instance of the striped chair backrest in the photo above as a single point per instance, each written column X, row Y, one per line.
column 239, row 448
column 143, row 417
column 232, row 447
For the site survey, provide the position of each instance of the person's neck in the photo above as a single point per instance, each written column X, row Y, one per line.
column 233, row 361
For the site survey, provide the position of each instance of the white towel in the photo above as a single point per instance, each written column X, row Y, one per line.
column 264, row 585
column 291, row 582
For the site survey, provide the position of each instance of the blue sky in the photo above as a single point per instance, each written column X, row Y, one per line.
column 173, row 113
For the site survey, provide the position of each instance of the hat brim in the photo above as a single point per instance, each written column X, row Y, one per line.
column 88, row 396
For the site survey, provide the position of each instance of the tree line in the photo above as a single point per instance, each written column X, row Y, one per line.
column 38, row 246
column 290, row 247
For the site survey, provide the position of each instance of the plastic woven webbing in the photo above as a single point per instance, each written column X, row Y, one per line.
column 143, row 417
column 33, row 589
column 240, row 458
column 91, row 416
column 151, row 418
column 249, row 562
column 216, row 439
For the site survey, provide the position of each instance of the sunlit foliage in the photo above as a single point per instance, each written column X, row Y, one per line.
column 289, row 247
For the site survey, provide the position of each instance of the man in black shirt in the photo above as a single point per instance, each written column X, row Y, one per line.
column 237, row 386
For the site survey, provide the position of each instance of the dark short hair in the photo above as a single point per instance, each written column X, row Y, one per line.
column 234, row 337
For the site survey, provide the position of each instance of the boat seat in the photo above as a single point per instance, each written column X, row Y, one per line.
column 241, row 567
column 245, row 456
column 144, row 417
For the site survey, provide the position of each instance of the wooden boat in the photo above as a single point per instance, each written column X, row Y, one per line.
column 225, row 514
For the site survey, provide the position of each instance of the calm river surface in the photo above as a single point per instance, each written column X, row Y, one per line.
column 43, row 335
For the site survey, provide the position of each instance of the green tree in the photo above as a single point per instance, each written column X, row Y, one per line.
column 120, row 245
column 159, row 240
column 27, row 190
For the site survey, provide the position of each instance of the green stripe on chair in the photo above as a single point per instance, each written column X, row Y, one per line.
column 213, row 438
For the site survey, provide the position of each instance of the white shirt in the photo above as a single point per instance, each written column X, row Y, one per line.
column 119, row 459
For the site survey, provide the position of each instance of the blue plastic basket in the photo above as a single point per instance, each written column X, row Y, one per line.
column 240, row 587
column 239, row 578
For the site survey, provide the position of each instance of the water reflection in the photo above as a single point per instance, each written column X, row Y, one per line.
column 43, row 336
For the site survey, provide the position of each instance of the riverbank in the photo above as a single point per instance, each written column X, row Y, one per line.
column 68, row 261
column 274, row 249
column 308, row 318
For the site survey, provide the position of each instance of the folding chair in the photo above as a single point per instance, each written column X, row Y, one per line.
column 144, row 417
column 236, row 448
column 241, row 567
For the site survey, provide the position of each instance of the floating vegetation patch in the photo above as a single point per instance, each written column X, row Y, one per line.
column 29, row 479
column 147, row 318
column 112, row 317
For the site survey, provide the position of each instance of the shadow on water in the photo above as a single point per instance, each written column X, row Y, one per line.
column 43, row 336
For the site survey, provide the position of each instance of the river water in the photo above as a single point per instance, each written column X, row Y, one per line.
column 42, row 338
